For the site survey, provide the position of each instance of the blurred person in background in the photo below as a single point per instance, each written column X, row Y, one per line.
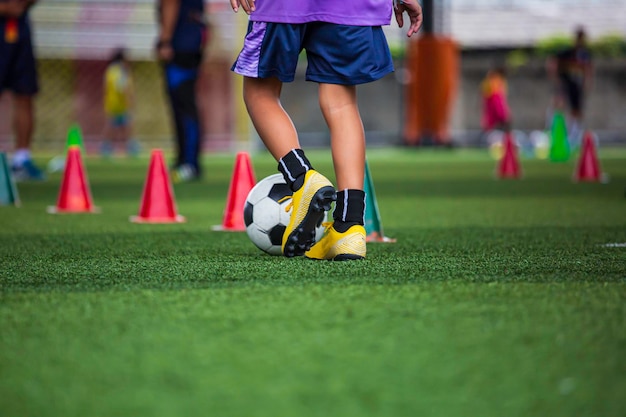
column 181, row 39
column 18, row 74
column 118, row 103
column 570, row 70
column 495, row 107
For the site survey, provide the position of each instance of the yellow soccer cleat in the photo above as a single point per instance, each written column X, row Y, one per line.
column 308, row 206
column 335, row 246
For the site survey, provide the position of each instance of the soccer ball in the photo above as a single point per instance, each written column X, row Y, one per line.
column 265, row 216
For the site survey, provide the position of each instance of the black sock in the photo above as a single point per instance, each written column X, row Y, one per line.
column 293, row 166
column 349, row 209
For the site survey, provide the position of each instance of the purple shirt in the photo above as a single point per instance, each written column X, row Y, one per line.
column 343, row 12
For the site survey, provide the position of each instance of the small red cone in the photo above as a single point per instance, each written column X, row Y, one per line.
column 74, row 194
column 509, row 165
column 588, row 167
column 241, row 183
column 157, row 200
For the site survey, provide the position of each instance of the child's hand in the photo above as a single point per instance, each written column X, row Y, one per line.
column 164, row 51
column 412, row 8
column 247, row 5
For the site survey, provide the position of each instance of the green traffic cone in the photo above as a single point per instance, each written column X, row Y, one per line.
column 8, row 190
column 75, row 137
column 559, row 145
column 373, row 224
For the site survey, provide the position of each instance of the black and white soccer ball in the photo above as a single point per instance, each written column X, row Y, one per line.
column 265, row 214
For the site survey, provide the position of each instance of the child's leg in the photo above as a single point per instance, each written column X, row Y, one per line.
column 341, row 112
column 106, row 147
column 347, row 138
column 313, row 193
column 272, row 123
column 345, row 239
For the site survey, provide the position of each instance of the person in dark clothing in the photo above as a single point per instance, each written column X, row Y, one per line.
column 181, row 40
column 571, row 72
column 18, row 74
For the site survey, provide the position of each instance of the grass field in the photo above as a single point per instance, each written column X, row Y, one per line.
column 500, row 298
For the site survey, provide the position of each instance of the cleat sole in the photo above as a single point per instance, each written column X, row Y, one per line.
column 348, row 257
column 302, row 236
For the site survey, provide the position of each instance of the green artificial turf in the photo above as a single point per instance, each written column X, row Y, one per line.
column 499, row 298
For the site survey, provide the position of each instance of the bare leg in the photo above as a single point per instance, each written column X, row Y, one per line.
column 345, row 240
column 108, row 131
column 119, row 135
column 107, row 147
column 347, row 138
column 273, row 124
column 575, row 128
column 23, row 120
column 23, row 127
column 126, row 131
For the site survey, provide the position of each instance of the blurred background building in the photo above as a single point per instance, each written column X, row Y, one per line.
column 74, row 39
column 523, row 23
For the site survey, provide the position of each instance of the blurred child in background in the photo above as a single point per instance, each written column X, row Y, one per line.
column 118, row 103
column 495, row 107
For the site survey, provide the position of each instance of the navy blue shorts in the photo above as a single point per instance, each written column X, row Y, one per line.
column 336, row 54
column 18, row 71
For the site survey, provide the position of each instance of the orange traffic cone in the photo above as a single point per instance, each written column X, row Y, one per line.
column 588, row 167
column 157, row 200
column 241, row 183
column 74, row 194
column 509, row 165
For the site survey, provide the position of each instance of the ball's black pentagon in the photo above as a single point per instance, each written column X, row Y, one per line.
column 276, row 235
column 279, row 191
column 247, row 214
